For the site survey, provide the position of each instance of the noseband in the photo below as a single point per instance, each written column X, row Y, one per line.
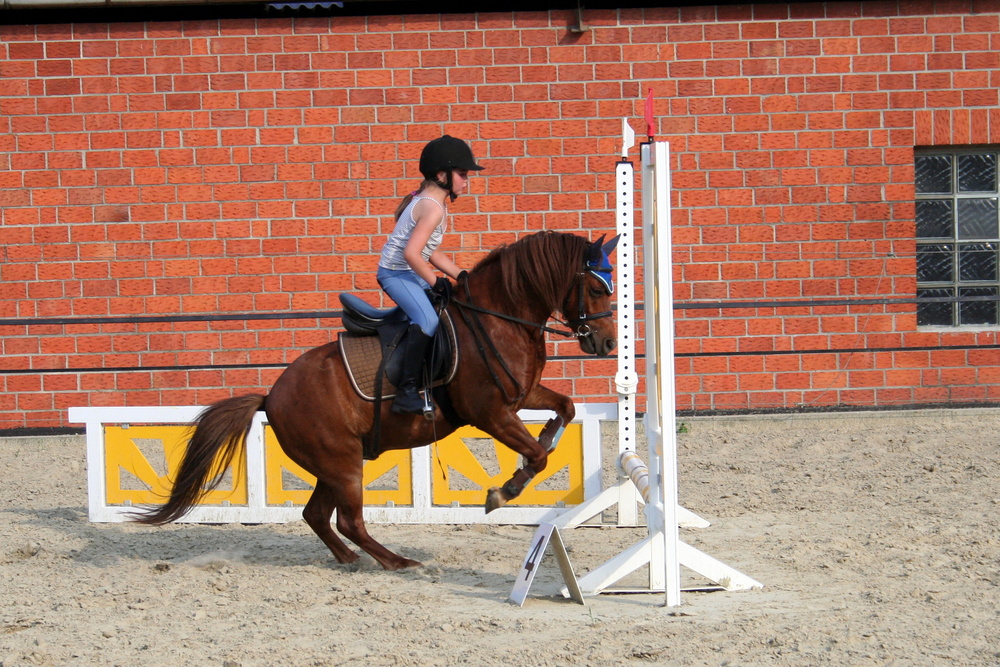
column 578, row 325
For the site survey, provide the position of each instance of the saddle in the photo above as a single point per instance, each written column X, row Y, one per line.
column 374, row 334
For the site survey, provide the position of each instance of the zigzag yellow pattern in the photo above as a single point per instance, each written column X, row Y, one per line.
column 137, row 477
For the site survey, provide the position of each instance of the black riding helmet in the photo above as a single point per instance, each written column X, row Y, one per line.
column 444, row 154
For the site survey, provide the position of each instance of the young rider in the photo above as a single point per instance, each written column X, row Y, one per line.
column 405, row 269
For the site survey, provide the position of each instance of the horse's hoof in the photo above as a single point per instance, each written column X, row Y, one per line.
column 495, row 498
column 402, row 564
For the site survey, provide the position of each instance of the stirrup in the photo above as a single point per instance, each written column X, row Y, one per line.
column 428, row 407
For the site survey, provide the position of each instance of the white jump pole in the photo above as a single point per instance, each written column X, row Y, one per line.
column 632, row 467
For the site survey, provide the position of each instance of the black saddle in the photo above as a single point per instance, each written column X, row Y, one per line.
column 391, row 325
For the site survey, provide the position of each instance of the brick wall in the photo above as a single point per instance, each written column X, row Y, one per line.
column 217, row 168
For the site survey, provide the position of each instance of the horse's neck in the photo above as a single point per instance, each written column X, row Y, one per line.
column 486, row 290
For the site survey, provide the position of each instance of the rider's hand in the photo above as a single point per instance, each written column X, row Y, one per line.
column 442, row 290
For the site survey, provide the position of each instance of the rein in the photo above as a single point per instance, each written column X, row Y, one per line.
column 463, row 305
column 479, row 333
column 582, row 329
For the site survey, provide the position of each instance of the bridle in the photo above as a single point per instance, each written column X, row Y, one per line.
column 579, row 323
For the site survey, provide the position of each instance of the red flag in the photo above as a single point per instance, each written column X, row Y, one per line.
column 650, row 130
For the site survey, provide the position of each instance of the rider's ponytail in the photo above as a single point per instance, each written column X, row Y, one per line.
column 408, row 198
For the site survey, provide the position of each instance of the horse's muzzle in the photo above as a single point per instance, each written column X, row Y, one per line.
column 598, row 345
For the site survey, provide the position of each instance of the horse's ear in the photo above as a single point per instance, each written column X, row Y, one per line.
column 610, row 246
column 594, row 251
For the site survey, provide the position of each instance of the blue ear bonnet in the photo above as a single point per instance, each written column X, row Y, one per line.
column 599, row 264
column 602, row 271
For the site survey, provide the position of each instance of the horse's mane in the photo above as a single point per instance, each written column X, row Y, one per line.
column 537, row 268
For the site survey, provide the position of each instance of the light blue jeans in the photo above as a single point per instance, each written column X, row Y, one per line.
column 407, row 289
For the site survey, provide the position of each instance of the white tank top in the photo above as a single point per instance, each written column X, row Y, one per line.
column 392, row 253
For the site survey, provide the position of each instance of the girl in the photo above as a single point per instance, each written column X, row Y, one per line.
column 404, row 270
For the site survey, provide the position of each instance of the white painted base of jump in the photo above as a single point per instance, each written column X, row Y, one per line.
column 641, row 554
column 599, row 579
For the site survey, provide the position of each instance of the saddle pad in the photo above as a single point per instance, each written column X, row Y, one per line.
column 363, row 354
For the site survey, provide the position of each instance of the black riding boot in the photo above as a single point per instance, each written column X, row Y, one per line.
column 408, row 400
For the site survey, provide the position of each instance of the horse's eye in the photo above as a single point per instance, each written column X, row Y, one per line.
column 596, row 292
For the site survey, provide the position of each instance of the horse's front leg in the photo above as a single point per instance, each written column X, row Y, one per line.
column 543, row 398
column 512, row 433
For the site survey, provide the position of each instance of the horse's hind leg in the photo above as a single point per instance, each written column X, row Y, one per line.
column 317, row 513
column 339, row 488
column 351, row 524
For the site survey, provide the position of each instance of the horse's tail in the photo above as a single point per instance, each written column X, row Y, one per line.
column 221, row 427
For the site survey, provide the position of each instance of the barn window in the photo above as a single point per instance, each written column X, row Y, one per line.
column 958, row 238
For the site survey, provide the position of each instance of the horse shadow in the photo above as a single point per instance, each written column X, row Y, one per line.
column 68, row 533
column 288, row 545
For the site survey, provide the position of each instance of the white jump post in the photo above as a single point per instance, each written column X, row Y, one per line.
column 661, row 405
column 627, row 377
column 662, row 550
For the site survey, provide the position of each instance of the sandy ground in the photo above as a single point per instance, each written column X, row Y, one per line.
column 876, row 537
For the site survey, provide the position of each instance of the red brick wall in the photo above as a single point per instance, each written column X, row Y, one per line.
column 251, row 166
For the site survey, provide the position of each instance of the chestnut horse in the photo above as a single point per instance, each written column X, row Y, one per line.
column 500, row 313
